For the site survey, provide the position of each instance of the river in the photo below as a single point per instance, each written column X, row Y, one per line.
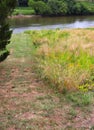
column 22, row 24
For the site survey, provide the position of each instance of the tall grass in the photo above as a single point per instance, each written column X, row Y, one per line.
column 65, row 59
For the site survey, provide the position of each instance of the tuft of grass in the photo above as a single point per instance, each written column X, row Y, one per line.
column 80, row 100
column 72, row 113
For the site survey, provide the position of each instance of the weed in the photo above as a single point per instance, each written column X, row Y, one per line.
column 72, row 113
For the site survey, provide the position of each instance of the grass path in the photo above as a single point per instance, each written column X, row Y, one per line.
column 26, row 103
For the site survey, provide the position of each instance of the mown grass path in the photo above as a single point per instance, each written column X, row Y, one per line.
column 26, row 103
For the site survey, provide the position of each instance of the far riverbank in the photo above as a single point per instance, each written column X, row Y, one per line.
column 24, row 16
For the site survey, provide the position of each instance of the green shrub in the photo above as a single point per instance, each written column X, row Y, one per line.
column 58, row 7
column 78, row 8
column 40, row 7
column 87, row 7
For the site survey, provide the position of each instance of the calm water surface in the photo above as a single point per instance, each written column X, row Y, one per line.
column 37, row 23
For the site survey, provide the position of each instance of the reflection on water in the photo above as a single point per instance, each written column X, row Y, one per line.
column 38, row 23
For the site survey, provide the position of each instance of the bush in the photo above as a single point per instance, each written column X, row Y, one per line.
column 78, row 8
column 57, row 7
column 87, row 8
column 40, row 7
column 63, row 10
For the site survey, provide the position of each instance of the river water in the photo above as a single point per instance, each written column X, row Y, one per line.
column 22, row 24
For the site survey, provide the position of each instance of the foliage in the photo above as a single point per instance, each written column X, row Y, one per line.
column 57, row 7
column 78, row 9
column 61, row 7
column 40, row 7
column 6, row 8
column 87, row 7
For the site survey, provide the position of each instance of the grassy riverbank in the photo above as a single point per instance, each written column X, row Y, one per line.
column 23, row 11
column 28, row 102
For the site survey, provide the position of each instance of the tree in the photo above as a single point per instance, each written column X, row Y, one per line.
column 6, row 8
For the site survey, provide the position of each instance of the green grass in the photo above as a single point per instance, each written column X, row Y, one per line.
column 23, row 11
column 80, row 99
column 23, row 46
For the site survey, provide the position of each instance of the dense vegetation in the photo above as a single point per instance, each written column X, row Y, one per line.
column 55, row 7
column 6, row 8
column 65, row 58
column 62, row 7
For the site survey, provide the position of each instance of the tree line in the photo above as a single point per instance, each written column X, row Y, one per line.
column 61, row 7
